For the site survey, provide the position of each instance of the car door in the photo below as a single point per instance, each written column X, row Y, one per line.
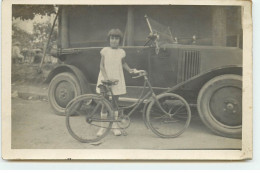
column 164, row 67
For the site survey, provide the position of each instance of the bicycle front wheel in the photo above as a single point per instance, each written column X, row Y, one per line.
column 83, row 118
column 170, row 116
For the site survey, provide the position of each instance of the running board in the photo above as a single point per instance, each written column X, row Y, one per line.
column 128, row 99
column 134, row 100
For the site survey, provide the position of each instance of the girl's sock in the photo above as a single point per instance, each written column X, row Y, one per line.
column 115, row 127
column 102, row 124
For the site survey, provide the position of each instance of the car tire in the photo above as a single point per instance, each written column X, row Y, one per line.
column 220, row 105
column 62, row 89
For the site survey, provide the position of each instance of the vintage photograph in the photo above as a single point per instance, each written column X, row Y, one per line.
column 122, row 77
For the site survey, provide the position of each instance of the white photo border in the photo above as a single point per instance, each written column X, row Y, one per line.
column 129, row 154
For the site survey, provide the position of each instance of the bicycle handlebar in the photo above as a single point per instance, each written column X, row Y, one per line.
column 140, row 73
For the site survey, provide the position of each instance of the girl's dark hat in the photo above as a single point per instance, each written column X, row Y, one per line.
column 115, row 32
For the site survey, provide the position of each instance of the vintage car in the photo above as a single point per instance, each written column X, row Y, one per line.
column 166, row 41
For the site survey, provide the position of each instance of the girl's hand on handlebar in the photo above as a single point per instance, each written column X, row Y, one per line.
column 131, row 71
column 135, row 71
column 139, row 72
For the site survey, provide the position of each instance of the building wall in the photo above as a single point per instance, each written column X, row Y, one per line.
column 89, row 25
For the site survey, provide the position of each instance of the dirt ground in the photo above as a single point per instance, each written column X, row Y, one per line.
column 35, row 126
column 28, row 73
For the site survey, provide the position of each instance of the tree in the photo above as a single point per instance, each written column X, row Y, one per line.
column 41, row 33
column 26, row 12
column 22, row 36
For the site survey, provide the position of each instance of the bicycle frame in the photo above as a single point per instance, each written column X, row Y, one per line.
column 149, row 94
column 124, row 120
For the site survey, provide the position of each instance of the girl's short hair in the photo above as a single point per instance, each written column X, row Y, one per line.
column 115, row 32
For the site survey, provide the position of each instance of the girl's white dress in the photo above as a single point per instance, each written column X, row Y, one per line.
column 114, row 69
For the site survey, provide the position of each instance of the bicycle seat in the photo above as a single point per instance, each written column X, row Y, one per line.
column 110, row 82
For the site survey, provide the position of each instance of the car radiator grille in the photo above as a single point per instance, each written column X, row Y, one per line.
column 190, row 64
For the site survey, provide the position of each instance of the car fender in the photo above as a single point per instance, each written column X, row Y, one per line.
column 196, row 82
column 84, row 84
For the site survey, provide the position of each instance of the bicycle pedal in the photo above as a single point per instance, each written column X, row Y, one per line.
column 124, row 133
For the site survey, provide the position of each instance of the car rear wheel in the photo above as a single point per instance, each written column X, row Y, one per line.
column 220, row 105
column 62, row 89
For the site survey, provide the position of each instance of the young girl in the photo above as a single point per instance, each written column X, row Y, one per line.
column 111, row 67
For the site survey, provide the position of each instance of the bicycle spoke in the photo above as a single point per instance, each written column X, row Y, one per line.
column 164, row 121
column 95, row 109
column 181, row 113
column 87, row 124
column 177, row 110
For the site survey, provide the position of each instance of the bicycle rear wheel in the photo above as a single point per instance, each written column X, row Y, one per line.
column 83, row 118
column 171, row 117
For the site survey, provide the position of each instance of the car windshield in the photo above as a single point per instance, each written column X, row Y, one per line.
column 164, row 32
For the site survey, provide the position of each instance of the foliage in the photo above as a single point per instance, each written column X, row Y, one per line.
column 41, row 33
column 39, row 37
column 26, row 12
column 22, row 36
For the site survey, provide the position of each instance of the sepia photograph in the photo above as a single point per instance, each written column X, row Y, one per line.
column 127, row 81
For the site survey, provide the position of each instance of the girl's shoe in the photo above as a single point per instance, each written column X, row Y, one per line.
column 101, row 132
column 116, row 130
column 115, row 127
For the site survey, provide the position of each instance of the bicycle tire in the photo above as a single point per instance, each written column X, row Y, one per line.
column 162, row 124
column 79, row 113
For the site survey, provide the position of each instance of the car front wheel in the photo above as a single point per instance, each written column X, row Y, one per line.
column 62, row 89
column 220, row 105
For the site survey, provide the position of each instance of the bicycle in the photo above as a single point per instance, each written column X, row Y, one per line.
column 167, row 115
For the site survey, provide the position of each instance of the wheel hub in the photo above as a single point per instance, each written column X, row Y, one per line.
column 226, row 105
column 64, row 93
column 231, row 106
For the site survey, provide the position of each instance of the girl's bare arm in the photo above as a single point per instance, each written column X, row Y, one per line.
column 126, row 67
column 102, row 68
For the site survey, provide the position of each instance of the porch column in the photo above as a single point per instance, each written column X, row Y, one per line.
column 219, row 24
column 64, row 28
column 130, row 26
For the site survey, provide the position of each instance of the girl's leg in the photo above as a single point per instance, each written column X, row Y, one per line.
column 115, row 101
column 103, row 115
column 104, row 110
column 115, row 127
